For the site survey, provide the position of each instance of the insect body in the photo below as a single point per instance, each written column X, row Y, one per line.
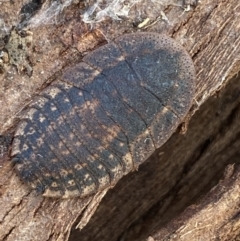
column 104, row 116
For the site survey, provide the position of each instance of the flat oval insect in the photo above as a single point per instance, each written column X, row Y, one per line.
column 104, row 116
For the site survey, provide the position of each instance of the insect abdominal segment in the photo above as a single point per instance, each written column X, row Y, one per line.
column 104, row 116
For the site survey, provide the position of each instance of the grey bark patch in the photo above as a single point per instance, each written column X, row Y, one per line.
column 19, row 48
column 104, row 116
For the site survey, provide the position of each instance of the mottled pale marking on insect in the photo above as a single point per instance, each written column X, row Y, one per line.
column 21, row 128
column 104, row 116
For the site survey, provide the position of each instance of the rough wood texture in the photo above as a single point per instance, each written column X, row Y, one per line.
column 220, row 211
column 175, row 175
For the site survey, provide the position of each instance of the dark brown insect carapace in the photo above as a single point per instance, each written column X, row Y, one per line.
column 104, row 116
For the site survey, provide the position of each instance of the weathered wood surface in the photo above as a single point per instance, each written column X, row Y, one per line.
column 214, row 217
column 184, row 168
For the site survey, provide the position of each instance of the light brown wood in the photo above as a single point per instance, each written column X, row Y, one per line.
column 186, row 167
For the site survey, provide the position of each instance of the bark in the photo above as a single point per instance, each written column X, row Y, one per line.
column 214, row 217
column 175, row 176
